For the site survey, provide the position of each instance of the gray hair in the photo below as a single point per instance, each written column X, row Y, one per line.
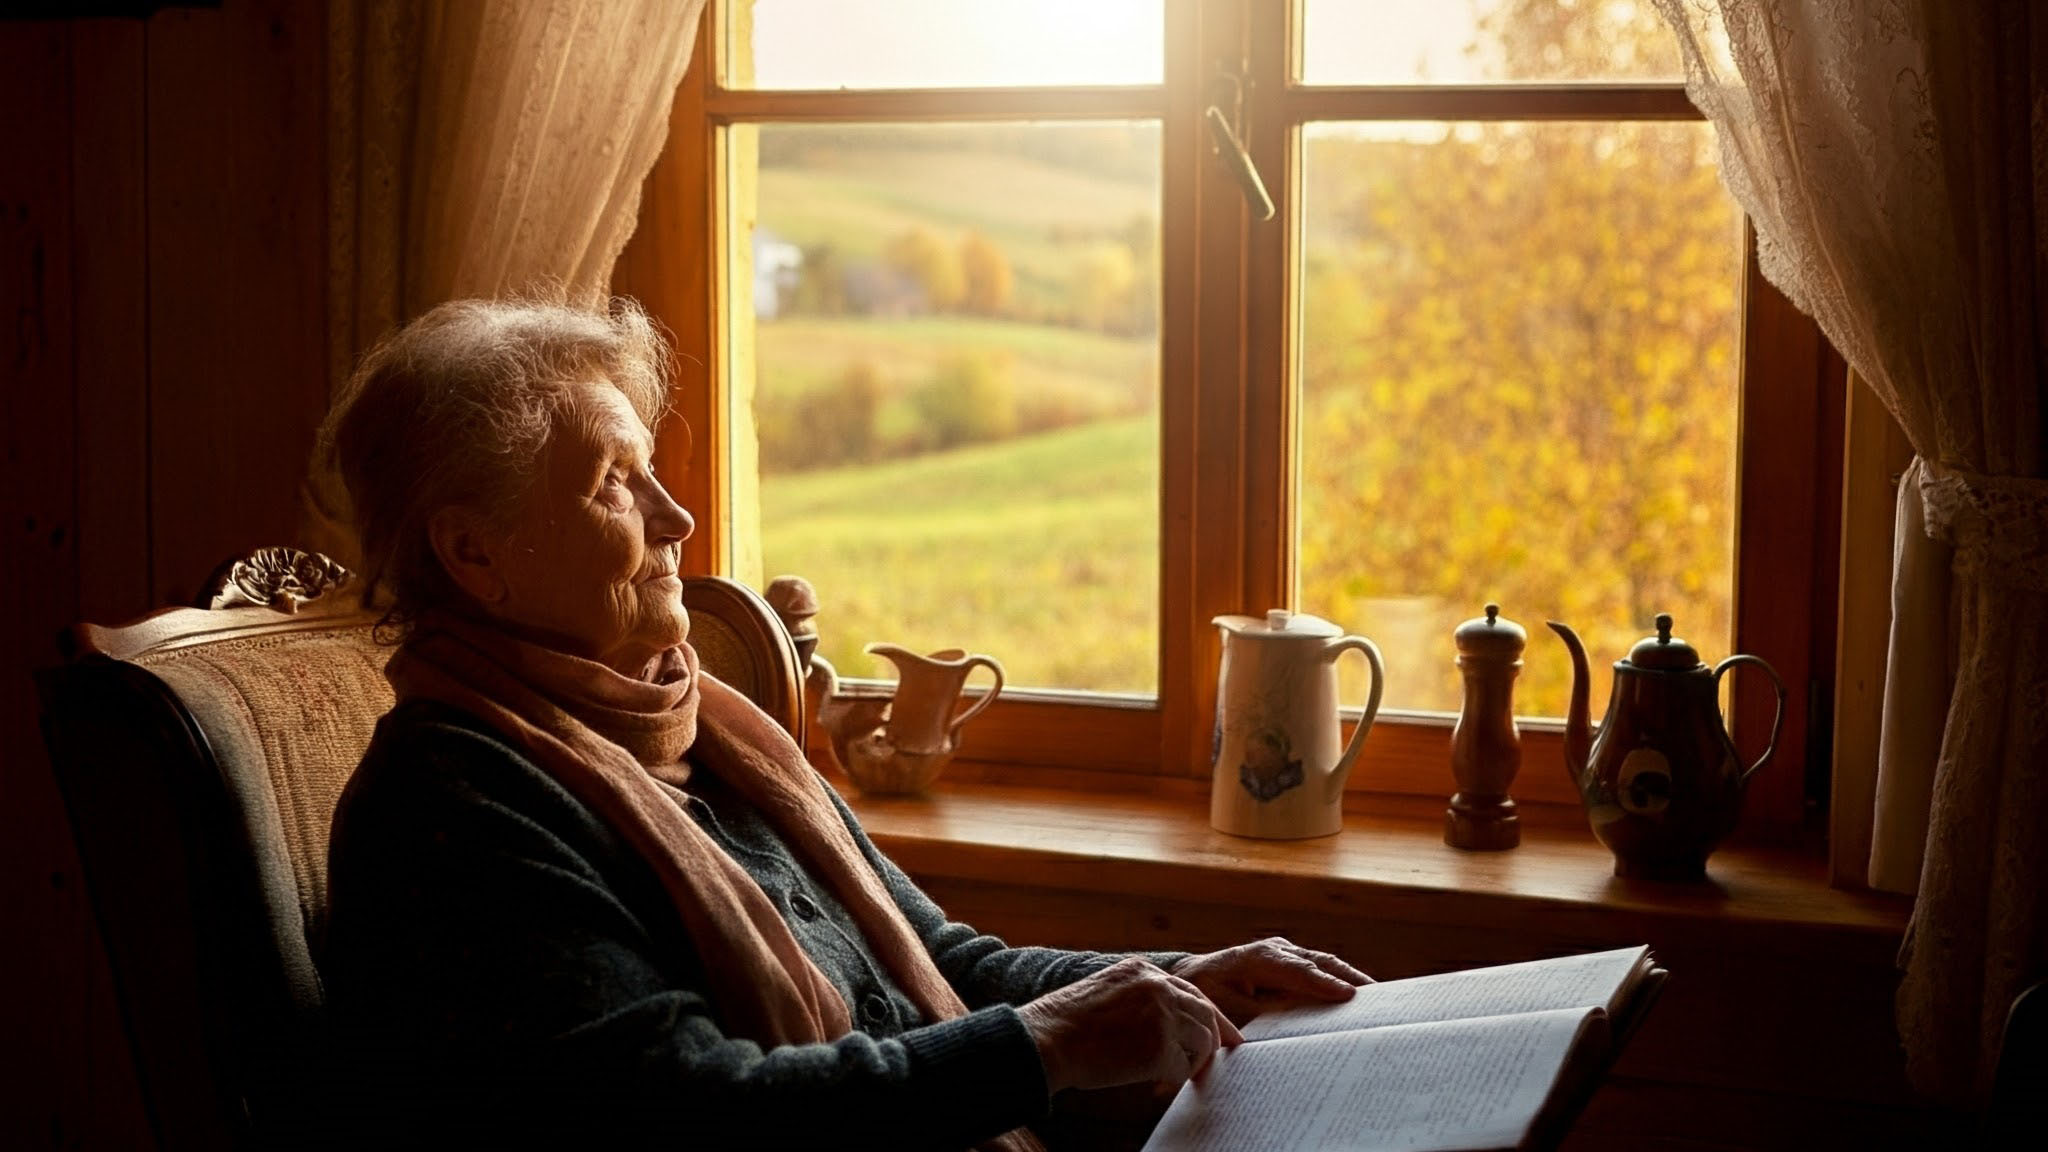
column 454, row 410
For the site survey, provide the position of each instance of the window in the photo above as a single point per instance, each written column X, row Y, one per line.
column 1001, row 356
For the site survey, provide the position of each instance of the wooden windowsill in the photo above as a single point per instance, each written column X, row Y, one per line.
column 1149, row 838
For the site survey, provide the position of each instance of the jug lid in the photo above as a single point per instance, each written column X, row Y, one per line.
column 1280, row 623
column 1491, row 635
column 1663, row 651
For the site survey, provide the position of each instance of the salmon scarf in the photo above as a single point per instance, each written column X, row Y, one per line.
column 618, row 744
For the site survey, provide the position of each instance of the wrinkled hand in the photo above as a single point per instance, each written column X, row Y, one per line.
column 1266, row 974
column 1128, row 1023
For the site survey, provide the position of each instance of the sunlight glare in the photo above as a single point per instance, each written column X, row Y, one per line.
column 1461, row 41
column 823, row 44
column 1385, row 41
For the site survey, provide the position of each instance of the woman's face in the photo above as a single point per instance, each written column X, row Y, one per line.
column 590, row 563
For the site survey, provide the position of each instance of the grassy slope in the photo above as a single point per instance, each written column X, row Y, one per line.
column 859, row 200
column 1041, row 552
column 1042, row 215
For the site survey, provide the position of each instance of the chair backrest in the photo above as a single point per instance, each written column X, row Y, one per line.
column 201, row 753
column 747, row 644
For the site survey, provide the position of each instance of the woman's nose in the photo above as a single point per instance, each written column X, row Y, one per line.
column 667, row 521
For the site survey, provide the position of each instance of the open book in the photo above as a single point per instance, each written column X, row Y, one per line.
column 1482, row 1059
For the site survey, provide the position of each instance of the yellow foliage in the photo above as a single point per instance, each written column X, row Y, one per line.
column 920, row 255
column 1528, row 393
column 986, row 271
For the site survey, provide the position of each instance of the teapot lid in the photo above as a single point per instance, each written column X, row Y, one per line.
column 1279, row 622
column 1491, row 635
column 1663, row 651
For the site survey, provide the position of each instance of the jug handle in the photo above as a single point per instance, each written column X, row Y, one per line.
column 1777, row 721
column 987, row 698
column 1331, row 652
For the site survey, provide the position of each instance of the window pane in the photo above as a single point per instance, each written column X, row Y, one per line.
column 955, row 383
column 1484, row 41
column 1520, row 384
column 943, row 43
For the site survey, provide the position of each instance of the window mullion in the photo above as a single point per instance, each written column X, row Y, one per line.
column 1269, row 305
column 1203, row 470
column 1182, row 694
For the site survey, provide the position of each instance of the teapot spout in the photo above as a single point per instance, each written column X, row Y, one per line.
column 1578, row 736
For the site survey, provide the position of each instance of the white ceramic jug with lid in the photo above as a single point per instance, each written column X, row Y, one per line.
column 1276, row 768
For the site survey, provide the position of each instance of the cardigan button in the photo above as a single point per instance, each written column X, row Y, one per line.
column 874, row 1010
column 804, row 907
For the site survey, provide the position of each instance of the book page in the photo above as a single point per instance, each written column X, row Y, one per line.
column 1413, row 1088
column 1589, row 981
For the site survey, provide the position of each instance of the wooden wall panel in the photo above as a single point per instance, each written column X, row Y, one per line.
column 237, row 297
column 110, row 359
column 162, row 272
column 39, row 892
column 37, row 419
column 111, row 347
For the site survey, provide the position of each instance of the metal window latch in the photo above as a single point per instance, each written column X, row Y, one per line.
column 1223, row 140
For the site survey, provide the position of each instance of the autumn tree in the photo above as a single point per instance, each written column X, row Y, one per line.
column 1519, row 375
column 1104, row 286
column 985, row 271
column 929, row 262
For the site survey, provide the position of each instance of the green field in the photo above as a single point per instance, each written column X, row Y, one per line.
column 856, row 200
column 1041, row 552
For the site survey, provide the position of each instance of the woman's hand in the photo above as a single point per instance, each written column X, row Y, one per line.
column 1128, row 1023
column 1266, row 974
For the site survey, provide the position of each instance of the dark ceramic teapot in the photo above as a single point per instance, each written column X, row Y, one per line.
column 1661, row 781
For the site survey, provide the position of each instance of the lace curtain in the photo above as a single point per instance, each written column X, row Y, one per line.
column 1894, row 157
column 484, row 147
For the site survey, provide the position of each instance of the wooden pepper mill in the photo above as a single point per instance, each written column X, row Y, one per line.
column 1486, row 748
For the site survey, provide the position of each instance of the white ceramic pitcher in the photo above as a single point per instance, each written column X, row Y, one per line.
column 1276, row 770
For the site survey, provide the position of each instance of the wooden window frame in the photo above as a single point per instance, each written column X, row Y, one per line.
column 1226, row 497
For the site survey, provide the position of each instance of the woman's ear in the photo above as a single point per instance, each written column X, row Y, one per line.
column 468, row 551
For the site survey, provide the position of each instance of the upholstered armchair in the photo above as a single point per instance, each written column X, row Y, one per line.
column 201, row 752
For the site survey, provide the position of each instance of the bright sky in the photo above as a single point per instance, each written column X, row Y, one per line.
column 956, row 43
column 942, row 43
column 1389, row 41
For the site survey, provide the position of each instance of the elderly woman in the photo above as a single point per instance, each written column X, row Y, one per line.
column 582, row 891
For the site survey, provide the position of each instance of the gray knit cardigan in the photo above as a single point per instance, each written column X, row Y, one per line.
column 503, row 969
